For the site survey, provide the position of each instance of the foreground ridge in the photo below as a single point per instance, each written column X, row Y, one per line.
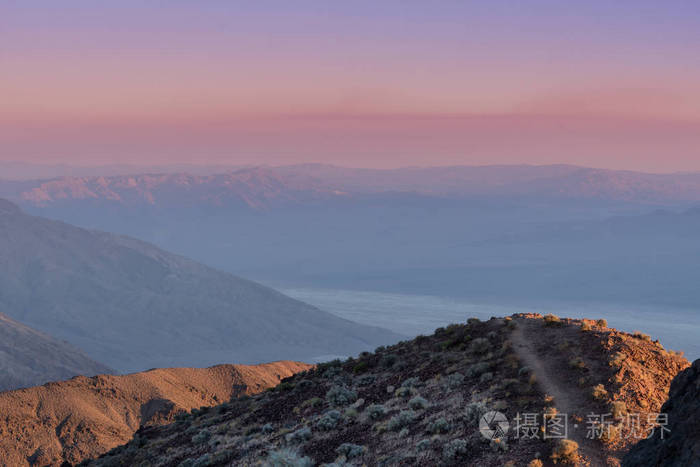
column 481, row 393
column 83, row 417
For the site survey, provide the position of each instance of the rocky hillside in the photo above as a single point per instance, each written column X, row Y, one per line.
column 481, row 393
column 85, row 417
column 679, row 445
column 29, row 358
column 133, row 306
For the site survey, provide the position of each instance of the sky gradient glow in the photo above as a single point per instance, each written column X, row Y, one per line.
column 374, row 83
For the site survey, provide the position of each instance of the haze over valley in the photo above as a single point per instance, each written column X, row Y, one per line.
column 517, row 238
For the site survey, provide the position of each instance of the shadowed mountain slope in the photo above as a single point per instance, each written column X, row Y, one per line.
column 72, row 420
column 429, row 402
column 133, row 306
column 29, row 358
column 679, row 445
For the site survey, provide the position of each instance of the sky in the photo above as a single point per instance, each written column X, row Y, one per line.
column 363, row 83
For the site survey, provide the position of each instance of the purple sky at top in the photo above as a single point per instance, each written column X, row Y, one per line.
column 365, row 83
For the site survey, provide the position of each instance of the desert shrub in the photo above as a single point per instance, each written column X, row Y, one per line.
column 454, row 380
column 361, row 367
column 267, row 428
column 454, row 449
column 304, row 385
column 480, row 345
column 411, row 383
column 329, row 420
column 404, row 392
column 388, row 360
column 472, row 321
column 511, row 324
column 339, row 395
column 577, row 363
column 599, row 393
column 609, row 433
column 439, row 426
column 285, row 386
column 601, row 323
column 474, row 411
column 500, row 405
column 585, row 326
column 524, row 371
column 286, row 457
column 401, row 420
column 376, row 411
column 350, row 451
column 332, row 372
column 617, row 359
column 366, row 380
column 202, row 461
column 478, row 369
column 552, row 320
column 424, row 445
column 511, row 385
column 313, row 402
column 351, row 412
column 486, row 377
column 535, row 463
column 251, row 430
column 222, row 457
column 299, row 436
column 565, row 452
column 641, row 335
column 618, row 409
column 418, row 403
column 201, row 437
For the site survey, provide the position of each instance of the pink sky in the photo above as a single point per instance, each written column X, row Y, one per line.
column 368, row 84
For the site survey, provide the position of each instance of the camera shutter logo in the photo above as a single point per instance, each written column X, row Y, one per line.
column 493, row 425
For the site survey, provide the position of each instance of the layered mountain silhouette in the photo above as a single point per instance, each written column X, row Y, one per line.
column 133, row 306
column 72, row 420
column 256, row 183
column 29, row 358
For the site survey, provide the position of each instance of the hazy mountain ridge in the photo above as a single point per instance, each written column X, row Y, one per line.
column 29, row 358
column 297, row 184
column 253, row 188
column 69, row 421
column 134, row 306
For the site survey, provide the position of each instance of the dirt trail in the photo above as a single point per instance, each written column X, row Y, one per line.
column 566, row 401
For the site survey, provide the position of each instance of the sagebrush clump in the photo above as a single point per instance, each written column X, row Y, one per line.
column 418, row 403
column 350, row 451
column 565, row 452
column 552, row 320
column 598, row 392
column 454, row 449
column 299, row 436
column 376, row 411
column 287, row 457
column 339, row 395
column 401, row 420
column 329, row 420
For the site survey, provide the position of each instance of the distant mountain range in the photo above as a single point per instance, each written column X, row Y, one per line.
column 133, row 306
column 70, row 421
column 302, row 183
column 29, row 358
